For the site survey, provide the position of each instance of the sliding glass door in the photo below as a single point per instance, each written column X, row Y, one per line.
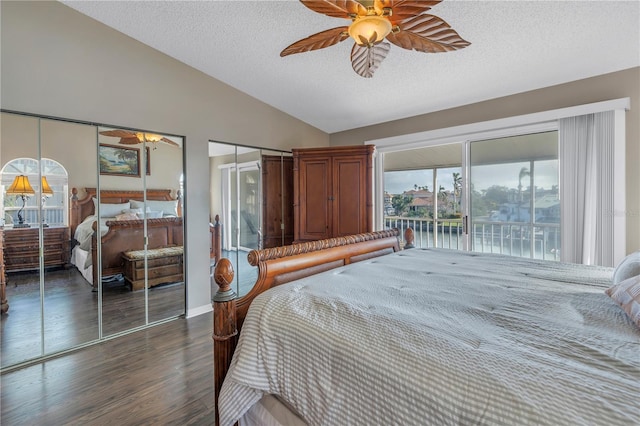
column 423, row 190
column 497, row 196
column 514, row 197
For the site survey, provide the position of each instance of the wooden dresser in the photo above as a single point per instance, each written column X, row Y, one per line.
column 332, row 191
column 22, row 247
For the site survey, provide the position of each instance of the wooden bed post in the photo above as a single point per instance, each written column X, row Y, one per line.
column 409, row 238
column 179, row 205
column 225, row 330
column 74, row 211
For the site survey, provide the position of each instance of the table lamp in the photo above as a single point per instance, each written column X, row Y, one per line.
column 21, row 188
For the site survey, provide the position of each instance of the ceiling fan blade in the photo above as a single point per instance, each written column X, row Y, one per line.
column 317, row 41
column 427, row 33
column 366, row 60
column 404, row 9
column 170, row 142
column 130, row 140
column 118, row 133
column 336, row 8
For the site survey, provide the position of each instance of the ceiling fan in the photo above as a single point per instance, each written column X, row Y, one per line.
column 132, row 138
column 401, row 22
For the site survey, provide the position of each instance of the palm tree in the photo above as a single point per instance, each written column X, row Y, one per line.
column 523, row 172
column 442, row 197
column 457, row 188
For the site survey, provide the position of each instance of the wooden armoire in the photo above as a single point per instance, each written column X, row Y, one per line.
column 332, row 191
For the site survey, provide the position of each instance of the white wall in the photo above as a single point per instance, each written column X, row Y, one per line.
column 58, row 62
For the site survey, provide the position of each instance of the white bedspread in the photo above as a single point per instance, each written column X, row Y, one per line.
column 83, row 235
column 441, row 337
column 84, row 231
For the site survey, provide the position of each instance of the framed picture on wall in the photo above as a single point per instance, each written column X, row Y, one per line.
column 119, row 160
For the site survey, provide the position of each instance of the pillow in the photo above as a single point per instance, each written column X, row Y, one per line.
column 169, row 207
column 109, row 210
column 127, row 216
column 151, row 214
column 627, row 295
column 86, row 244
column 629, row 267
column 134, row 211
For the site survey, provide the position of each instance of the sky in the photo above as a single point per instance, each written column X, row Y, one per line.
column 482, row 177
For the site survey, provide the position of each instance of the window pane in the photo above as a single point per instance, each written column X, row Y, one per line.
column 515, row 208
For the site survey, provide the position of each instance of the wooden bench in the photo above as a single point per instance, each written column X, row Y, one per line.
column 164, row 265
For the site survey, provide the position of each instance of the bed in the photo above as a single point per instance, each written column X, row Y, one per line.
column 422, row 336
column 121, row 227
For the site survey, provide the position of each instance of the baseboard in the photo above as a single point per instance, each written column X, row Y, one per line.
column 199, row 310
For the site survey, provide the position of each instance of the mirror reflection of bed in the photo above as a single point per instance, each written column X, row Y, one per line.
column 55, row 307
column 123, row 215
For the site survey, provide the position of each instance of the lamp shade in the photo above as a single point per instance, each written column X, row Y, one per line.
column 45, row 188
column 21, row 186
column 369, row 29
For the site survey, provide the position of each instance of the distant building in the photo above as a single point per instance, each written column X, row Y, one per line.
column 547, row 210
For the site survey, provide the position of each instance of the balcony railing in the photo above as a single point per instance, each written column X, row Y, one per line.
column 52, row 215
column 538, row 241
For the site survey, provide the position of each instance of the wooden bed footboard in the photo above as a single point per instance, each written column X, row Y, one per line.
column 277, row 266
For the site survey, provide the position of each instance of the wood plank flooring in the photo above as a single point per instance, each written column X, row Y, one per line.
column 71, row 312
column 161, row 375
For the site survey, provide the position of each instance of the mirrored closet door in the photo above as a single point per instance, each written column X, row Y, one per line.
column 92, row 228
column 251, row 194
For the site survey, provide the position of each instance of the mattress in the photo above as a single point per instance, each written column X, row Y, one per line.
column 270, row 411
column 436, row 336
column 79, row 258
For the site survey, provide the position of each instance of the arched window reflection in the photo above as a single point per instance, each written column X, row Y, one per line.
column 53, row 197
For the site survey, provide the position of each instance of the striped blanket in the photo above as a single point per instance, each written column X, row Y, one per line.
column 441, row 337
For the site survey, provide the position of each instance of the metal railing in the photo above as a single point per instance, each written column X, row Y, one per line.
column 448, row 232
column 52, row 215
column 533, row 240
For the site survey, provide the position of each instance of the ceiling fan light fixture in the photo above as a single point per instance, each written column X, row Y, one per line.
column 148, row 137
column 372, row 28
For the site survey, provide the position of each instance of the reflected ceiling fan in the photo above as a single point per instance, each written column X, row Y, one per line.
column 128, row 137
column 401, row 22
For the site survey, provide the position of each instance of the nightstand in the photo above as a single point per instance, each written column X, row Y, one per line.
column 22, row 248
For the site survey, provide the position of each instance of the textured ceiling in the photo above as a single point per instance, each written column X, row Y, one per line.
column 516, row 46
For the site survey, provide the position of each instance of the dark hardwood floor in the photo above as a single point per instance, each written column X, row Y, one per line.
column 161, row 375
column 71, row 312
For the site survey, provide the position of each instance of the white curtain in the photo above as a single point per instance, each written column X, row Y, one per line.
column 586, row 145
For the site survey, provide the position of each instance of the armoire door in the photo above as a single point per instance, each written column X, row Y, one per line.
column 349, row 199
column 314, row 199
